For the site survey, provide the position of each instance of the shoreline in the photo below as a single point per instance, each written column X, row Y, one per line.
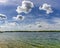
column 33, row 31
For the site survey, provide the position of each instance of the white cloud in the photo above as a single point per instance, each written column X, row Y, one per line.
column 19, row 17
column 37, row 26
column 9, row 26
column 43, row 25
column 26, row 7
column 3, row 17
column 56, row 20
column 47, row 8
column 3, row 1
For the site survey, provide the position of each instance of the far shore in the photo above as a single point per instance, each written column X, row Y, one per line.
column 34, row 31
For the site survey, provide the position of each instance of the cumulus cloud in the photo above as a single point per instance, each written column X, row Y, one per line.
column 26, row 7
column 3, row 17
column 47, row 8
column 19, row 17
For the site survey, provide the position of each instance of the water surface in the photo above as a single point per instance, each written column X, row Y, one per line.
column 30, row 40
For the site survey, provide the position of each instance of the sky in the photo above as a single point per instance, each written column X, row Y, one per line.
column 31, row 15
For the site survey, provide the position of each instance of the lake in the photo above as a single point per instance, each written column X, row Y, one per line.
column 30, row 40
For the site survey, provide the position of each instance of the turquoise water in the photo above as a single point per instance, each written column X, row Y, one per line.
column 34, row 39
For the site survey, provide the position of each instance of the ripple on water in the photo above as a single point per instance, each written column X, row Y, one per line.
column 30, row 40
